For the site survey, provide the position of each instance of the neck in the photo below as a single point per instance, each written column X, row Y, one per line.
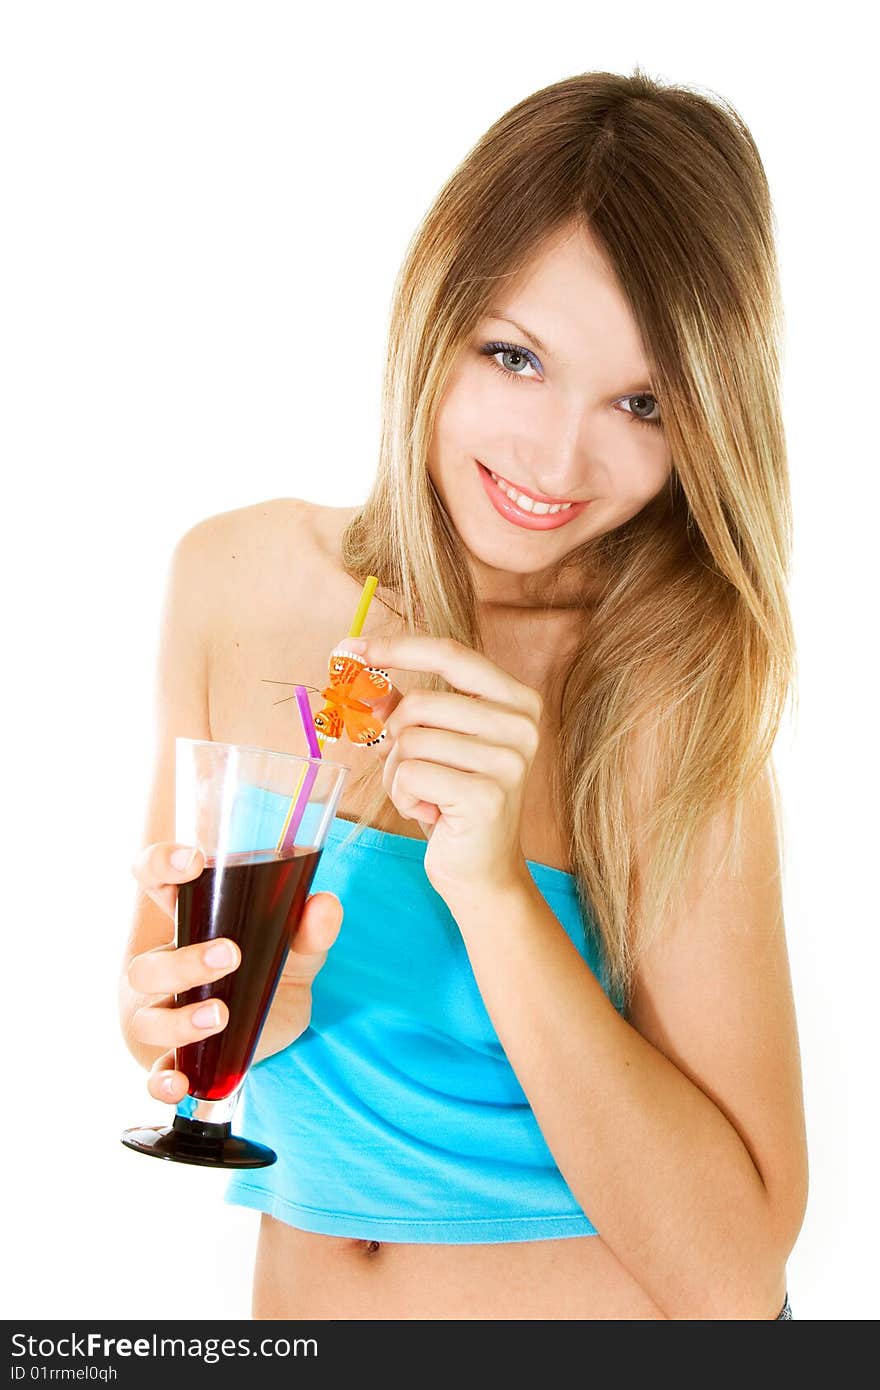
column 544, row 592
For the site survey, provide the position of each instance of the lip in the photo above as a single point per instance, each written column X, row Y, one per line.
column 507, row 508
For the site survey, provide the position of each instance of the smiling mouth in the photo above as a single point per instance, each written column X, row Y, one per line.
column 522, row 508
column 529, row 501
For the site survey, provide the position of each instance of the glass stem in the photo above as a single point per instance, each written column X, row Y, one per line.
column 213, row 1112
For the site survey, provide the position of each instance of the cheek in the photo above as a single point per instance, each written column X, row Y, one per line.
column 660, row 474
column 477, row 413
column 641, row 475
column 461, row 416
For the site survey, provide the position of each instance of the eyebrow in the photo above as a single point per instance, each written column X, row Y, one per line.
column 532, row 337
column 643, row 385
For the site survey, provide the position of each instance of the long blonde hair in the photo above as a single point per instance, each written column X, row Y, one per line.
column 670, row 706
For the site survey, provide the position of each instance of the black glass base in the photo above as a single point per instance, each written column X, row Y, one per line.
column 198, row 1141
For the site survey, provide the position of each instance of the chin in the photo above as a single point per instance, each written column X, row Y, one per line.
column 507, row 557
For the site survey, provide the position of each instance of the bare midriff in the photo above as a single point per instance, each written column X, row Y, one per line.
column 302, row 1275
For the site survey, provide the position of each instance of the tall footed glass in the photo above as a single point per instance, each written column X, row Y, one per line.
column 260, row 819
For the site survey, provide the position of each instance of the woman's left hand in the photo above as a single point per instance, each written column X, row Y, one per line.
column 458, row 762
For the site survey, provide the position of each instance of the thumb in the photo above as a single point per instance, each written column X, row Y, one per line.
column 315, row 933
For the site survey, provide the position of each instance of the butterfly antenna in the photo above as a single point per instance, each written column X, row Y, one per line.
column 266, row 681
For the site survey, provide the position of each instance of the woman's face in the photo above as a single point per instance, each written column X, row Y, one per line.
column 560, row 417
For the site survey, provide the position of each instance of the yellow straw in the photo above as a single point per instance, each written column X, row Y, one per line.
column 364, row 602
column 355, row 630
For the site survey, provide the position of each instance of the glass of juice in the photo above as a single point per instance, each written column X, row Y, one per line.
column 260, row 819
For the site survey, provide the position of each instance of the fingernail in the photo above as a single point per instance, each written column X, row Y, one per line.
column 355, row 644
column 183, row 857
column 169, row 1085
column 208, row 1016
column 221, row 953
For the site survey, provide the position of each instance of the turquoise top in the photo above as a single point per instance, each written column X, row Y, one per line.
column 396, row 1115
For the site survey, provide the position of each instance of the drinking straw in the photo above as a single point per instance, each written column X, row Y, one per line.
column 308, row 723
column 300, row 798
column 364, row 602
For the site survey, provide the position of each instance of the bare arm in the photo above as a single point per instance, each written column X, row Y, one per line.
column 181, row 709
column 681, row 1130
column 154, row 971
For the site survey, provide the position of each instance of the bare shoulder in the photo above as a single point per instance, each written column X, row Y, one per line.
column 269, row 598
column 251, row 555
column 240, row 532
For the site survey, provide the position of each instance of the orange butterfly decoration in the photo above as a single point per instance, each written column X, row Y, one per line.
column 353, row 685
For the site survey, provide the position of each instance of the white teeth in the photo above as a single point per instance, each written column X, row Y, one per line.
column 528, row 504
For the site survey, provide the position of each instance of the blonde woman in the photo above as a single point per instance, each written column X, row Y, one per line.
column 534, row 1054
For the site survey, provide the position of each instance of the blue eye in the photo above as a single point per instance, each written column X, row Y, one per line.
column 493, row 350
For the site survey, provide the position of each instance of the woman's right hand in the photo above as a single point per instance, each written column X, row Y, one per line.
column 168, row 970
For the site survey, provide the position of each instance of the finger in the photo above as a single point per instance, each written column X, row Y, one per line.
column 438, row 747
column 485, row 719
column 165, row 1082
column 457, row 795
column 411, row 806
column 168, row 969
column 418, row 810
column 315, row 933
column 507, row 766
column 467, row 670
column 465, row 715
column 382, row 708
column 159, row 868
column 158, row 1026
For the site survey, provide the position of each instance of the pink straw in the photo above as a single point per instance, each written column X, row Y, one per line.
column 308, row 723
column 299, row 803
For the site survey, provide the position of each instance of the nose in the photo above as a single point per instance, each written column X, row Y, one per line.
column 563, row 464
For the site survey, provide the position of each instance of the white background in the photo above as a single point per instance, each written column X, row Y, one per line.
column 205, row 206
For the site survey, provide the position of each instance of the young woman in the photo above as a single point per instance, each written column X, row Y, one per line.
column 534, row 1054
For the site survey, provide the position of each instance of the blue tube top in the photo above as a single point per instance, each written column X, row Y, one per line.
column 396, row 1115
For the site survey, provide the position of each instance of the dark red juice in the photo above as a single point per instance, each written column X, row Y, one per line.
column 256, row 900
